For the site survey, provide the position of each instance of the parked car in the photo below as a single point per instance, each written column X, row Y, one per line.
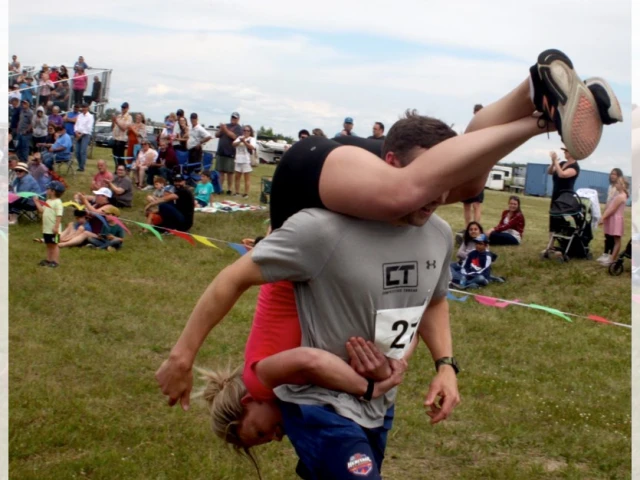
column 102, row 134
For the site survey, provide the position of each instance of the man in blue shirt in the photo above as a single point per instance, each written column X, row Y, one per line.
column 22, row 183
column 347, row 130
column 60, row 151
column 70, row 120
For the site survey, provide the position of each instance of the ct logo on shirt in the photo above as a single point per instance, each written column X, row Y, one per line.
column 399, row 275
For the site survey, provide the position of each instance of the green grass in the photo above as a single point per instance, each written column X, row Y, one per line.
column 542, row 398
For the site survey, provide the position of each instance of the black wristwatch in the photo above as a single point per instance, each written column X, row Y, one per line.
column 369, row 393
column 448, row 361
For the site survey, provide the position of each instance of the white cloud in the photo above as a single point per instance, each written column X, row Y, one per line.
column 214, row 58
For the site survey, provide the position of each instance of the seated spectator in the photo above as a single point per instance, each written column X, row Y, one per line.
column 97, row 204
column 468, row 245
column 476, row 269
column 167, row 163
column 103, row 177
column 70, row 120
column 60, row 150
column 122, row 188
column 161, row 189
column 55, row 118
column 13, row 163
column 204, row 191
column 74, row 234
column 147, row 156
column 23, row 182
column 174, row 211
column 50, row 139
column 45, row 86
column 111, row 235
column 60, row 96
column 511, row 227
column 39, row 171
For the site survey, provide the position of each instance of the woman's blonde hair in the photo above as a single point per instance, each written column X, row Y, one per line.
column 625, row 185
column 223, row 394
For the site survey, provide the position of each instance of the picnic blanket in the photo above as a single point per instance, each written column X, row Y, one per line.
column 229, row 207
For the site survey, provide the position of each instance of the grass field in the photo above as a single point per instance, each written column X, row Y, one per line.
column 541, row 398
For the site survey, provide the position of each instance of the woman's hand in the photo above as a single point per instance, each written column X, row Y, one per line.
column 367, row 360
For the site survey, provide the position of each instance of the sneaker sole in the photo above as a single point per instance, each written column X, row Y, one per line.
column 614, row 111
column 581, row 125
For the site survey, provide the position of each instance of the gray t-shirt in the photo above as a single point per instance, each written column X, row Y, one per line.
column 126, row 199
column 356, row 278
column 225, row 144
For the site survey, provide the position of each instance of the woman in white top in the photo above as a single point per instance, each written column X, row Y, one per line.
column 245, row 146
column 146, row 157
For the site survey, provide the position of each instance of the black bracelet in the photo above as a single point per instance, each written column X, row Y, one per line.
column 369, row 394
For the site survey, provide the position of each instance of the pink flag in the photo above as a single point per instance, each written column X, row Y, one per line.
column 492, row 301
column 119, row 222
column 13, row 197
column 596, row 318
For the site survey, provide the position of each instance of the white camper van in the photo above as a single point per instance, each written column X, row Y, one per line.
column 495, row 181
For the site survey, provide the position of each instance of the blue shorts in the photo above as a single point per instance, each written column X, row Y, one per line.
column 332, row 446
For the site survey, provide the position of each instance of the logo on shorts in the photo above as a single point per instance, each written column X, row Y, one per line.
column 399, row 275
column 360, row 464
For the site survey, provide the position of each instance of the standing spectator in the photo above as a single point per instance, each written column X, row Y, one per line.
column 14, row 92
column 45, row 85
column 198, row 136
column 122, row 188
column 14, row 117
column 226, row 153
column 303, row 134
column 245, row 145
column 27, row 89
column 83, row 130
column 181, row 135
column 136, row 133
column 347, row 129
column 70, row 120
column 96, row 90
column 24, row 130
column 64, row 74
column 39, row 171
column 60, row 150
column 615, row 174
column 613, row 219
column 79, row 82
column 40, row 123
column 120, row 125
column 146, row 158
column 378, row 131
column 564, row 176
column 55, row 118
column 51, row 220
column 102, row 178
column 318, row 132
column 15, row 64
column 54, row 75
column 81, row 64
column 510, row 229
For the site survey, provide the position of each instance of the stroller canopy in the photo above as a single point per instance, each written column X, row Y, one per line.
column 568, row 203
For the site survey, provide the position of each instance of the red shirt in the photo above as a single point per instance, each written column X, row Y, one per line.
column 275, row 328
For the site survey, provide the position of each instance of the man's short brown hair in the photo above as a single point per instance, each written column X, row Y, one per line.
column 415, row 131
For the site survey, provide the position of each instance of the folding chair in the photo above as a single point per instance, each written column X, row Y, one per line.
column 68, row 163
column 126, row 161
column 207, row 162
column 265, row 189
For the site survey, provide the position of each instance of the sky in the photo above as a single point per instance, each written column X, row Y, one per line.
column 289, row 64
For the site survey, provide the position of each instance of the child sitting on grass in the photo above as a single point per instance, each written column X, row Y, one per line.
column 112, row 235
column 51, row 219
column 476, row 270
column 75, row 229
column 204, row 191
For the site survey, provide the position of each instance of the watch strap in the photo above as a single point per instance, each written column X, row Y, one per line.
column 451, row 361
column 369, row 393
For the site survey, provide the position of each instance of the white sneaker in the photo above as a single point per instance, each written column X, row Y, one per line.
column 602, row 257
column 605, row 259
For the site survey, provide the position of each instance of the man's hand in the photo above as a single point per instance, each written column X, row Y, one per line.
column 367, row 360
column 398, row 367
column 175, row 379
column 443, row 395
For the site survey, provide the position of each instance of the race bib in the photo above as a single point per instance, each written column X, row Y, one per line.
column 395, row 329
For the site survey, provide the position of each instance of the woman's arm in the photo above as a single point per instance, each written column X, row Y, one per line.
column 511, row 224
column 567, row 172
column 613, row 206
column 304, row 365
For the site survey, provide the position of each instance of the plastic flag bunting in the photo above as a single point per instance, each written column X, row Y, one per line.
column 492, row 301
column 550, row 310
column 182, row 235
column 241, row 249
column 13, row 197
column 28, row 194
column 101, row 218
column 451, row 296
column 71, row 203
column 151, row 229
column 205, row 241
column 119, row 222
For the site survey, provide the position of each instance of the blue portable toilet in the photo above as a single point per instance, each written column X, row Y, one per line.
column 536, row 180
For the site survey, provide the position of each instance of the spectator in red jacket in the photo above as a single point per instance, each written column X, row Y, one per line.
column 511, row 227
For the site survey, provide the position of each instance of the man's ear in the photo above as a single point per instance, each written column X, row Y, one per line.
column 392, row 160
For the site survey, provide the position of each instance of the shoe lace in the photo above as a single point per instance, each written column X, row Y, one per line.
column 543, row 123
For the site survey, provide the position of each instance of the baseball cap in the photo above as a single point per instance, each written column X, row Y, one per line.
column 103, row 191
column 125, row 105
column 194, row 115
column 56, row 186
column 348, row 120
column 482, row 238
column 235, row 115
column 178, row 178
column 21, row 166
column 180, row 112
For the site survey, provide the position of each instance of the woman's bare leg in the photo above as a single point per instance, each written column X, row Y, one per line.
column 616, row 248
column 247, row 182
column 75, row 241
column 515, row 105
column 236, row 179
column 67, row 233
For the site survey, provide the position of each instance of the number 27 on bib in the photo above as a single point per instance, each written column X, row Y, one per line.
column 395, row 329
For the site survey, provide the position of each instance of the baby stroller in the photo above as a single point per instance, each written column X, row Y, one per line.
column 617, row 267
column 570, row 221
